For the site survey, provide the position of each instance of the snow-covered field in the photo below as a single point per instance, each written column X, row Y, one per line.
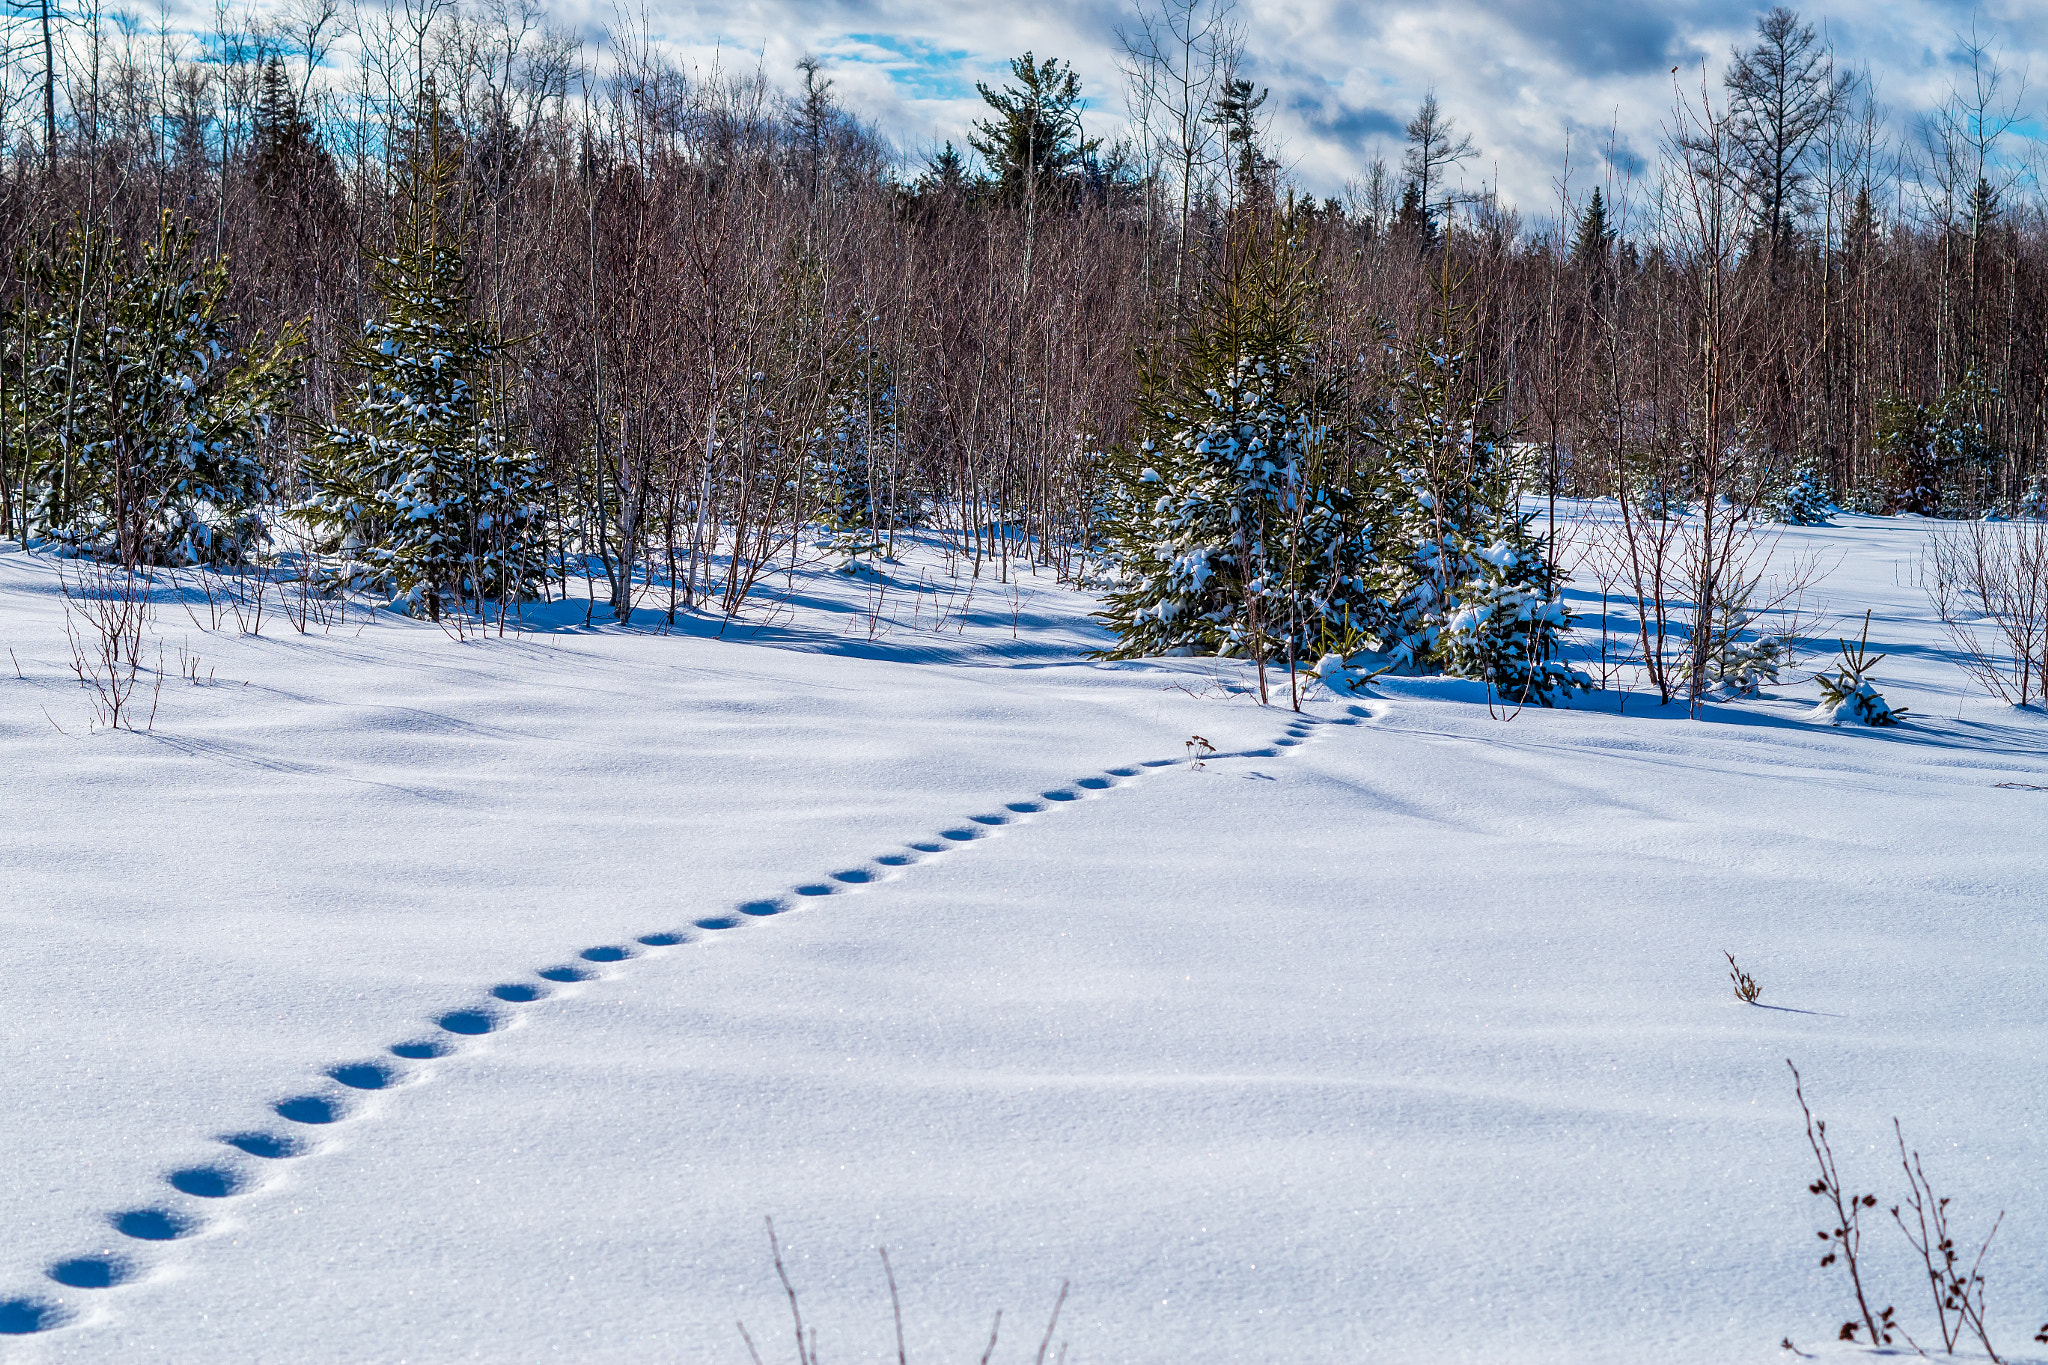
column 1396, row 1032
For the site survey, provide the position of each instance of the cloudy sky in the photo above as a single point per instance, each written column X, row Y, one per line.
column 1522, row 76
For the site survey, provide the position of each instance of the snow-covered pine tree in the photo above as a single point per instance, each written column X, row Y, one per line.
column 1931, row 451
column 1471, row 592
column 1234, row 522
column 431, row 498
column 1742, row 653
column 1847, row 693
column 1657, row 494
column 2033, row 505
column 859, row 431
column 143, row 425
column 1802, row 499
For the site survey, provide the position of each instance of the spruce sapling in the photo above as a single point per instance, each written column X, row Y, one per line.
column 1848, row 694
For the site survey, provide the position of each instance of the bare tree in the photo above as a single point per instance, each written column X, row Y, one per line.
column 1782, row 95
column 1435, row 147
column 1175, row 55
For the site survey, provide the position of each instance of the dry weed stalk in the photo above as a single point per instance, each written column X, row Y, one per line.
column 807, row 1336
column 1958, row 1293
column 1845, row 1239
column 1746, row 989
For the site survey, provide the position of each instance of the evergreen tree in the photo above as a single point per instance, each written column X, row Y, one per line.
column 281, row 138
column 1412, row 220
column 1595, row 239
column 430, row 498
column 1237, row 522
column 1471, row 592
column 1034, row 141
column 1802, row 499
column 2033, row 505
column 143, row 425
column 1860, row 234
column 945, row 173
column 1236, row 117
column 1929, row 450
column 859, row 430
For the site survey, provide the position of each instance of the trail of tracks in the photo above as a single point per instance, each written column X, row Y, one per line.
column 142, row 1240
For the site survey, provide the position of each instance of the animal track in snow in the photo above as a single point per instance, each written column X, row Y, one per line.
column 207, row 1182
column 424, row 1049
column 106, row 1270
column 364, row 1075
column 154, row 1225
column 309, row 1109
column 93, row 1272
column 19, row 1317
column 269, row 1146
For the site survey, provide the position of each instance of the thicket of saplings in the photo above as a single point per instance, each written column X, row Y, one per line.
column 503, row 315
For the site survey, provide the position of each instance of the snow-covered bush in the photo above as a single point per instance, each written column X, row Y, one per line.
column 1931, row 451
column 1743, row 656
column 143, row 424
column 2033, row 505
column 427, row 495
column 1658, row 496
column 1339, row 676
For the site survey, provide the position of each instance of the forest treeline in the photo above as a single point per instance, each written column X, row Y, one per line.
column 705, row 315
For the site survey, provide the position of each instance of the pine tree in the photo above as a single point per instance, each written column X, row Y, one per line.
column 1860, row 234
column 945, row 173
column 1595, row 239
column 1471, row 592
column 430, row 498
column 1238, row 520
column 144, row 426
column 1236, row 117
column 1034, row 140
column 860, row 427
column 1592, row 247
column 1930, row 449
column 2033, row 504
column 1413, row 221
column 281, row 138
column 1802, row 499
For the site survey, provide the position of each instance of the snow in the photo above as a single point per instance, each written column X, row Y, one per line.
column 1393, row 1032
